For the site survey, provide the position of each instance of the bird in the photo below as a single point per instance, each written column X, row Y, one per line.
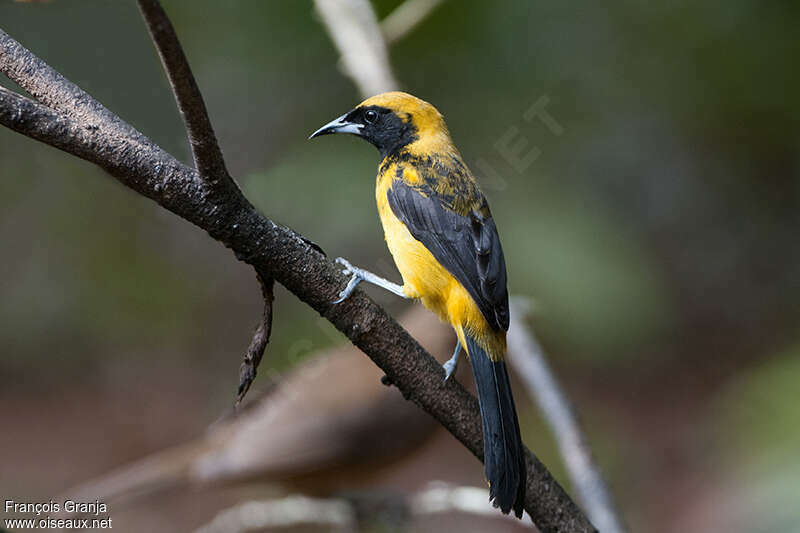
column 440, row 232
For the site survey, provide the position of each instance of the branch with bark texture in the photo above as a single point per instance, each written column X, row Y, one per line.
column 247, row 372
column 67, row 118
column 238, row 450
column 208, row 160
column 526, row 358
column 203, row 141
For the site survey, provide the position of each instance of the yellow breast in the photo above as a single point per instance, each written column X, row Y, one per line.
column 424, row 278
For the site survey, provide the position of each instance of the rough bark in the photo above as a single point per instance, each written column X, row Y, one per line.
column 67, row 118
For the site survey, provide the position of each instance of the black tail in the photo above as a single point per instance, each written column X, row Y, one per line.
column 502, row 445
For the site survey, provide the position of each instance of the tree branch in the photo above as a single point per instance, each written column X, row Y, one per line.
column 205, row 150
column 399, row 22
column 52, row 89
column 275, row 251
column 529, row 363
column 405, row 18
column 208, row 158
column 353, row 27
column 247, row 373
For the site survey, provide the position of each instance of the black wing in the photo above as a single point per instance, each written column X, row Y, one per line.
column 466, row 245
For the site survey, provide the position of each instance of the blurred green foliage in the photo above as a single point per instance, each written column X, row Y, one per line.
column 657, row 234
column 758, row 414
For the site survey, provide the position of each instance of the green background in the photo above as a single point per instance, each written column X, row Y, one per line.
column 657, row 235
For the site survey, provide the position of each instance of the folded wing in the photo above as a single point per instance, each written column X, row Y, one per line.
column 467, row 245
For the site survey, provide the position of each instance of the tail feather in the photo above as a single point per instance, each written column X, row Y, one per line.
column 502, row 445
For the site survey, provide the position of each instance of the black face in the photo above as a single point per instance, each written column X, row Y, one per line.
column 380, row 126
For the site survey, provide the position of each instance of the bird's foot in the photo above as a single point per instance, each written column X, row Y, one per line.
column 358, row 277
column 451, row 364
column 449, row 367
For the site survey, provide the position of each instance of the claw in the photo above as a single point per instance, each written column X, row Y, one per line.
column 351, row 285
column 348, row 268
column 451, row 364
column 448, row 369
column 362, row 275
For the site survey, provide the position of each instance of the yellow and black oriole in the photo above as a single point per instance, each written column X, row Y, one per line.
column 444, row 241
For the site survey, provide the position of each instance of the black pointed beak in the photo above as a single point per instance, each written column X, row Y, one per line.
column 339, row 125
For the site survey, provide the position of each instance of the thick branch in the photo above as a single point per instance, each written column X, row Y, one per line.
column 207, row 155
column 529, row 363
column 276, row 252
column 52, row 89
column 140, row 165
column 205, row 150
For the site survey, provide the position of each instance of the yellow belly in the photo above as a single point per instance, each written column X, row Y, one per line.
column 424, row 278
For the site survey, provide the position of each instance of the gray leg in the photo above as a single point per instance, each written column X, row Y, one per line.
column 359, row 275
column 451, row 364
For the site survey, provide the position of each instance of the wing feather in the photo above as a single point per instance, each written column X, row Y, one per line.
column 468, row 245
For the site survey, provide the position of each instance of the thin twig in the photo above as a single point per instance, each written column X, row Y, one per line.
column 353, row 27
column 275, row 251
column 255, row 351
column 405, row 18
column 529, row 363
column 237, row 450
column 205, row 149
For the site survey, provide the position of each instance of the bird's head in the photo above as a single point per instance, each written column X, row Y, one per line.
column 393, row 122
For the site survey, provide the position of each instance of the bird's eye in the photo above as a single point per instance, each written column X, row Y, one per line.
column 370, row 116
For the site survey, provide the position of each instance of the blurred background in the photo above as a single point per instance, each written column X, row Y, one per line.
column 656, row 230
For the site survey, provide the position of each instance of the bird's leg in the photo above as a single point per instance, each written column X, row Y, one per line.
column 451, row 364
column 359, row 275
